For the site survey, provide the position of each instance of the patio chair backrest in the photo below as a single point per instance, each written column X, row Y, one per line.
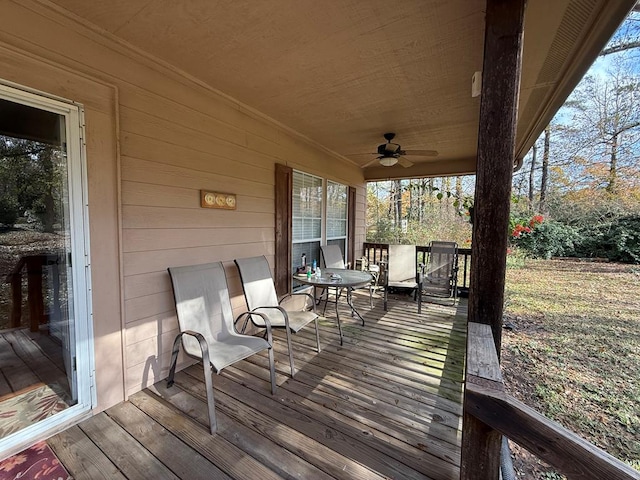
column 332, row 256
column 257, row 282
column 443, row 258
column 401, row 263
column 202, row 304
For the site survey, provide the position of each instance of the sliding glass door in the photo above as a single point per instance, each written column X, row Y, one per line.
column 45, row 358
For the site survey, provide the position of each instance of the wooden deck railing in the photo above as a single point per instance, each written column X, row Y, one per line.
column 489, row 413
column 35, row 264
column 377, row 252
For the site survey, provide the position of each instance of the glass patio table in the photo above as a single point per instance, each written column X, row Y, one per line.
column 338, row 278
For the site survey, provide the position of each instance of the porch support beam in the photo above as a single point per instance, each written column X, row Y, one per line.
column 496, row 147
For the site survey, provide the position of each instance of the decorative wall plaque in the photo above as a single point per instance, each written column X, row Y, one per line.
column 226, row 201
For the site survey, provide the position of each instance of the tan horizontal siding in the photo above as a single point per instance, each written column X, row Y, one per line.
column 145, row 171
column 180, row 134
column 161, row 151
column 146, row 262
column 146, row 284
column 168, row 217
column 139, row 240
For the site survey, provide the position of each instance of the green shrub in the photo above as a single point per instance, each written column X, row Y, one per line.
column 617, row 240
column 9, row 210
column 549, row 239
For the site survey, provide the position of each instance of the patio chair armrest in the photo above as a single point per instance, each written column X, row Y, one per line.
column 267, row 324
column 204, row 346
column 288, row 295
column 277, row 307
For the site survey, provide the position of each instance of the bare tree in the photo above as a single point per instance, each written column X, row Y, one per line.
column 606, row 124
column 397, row 202
column 545, row 169
column 534, row 153
column 628, row 35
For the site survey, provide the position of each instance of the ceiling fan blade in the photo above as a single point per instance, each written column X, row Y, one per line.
column 424, row 153
column 404, row 162
column 375, row 160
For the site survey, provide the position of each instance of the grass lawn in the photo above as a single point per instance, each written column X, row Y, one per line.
column 574, row 353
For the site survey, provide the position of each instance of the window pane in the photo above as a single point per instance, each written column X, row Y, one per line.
column 311, row 251
column 341, row 243
column 336, row 209
column 307, row 206
column 307, row 219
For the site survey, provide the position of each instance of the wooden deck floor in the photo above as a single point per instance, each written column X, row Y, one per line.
column 385, row 405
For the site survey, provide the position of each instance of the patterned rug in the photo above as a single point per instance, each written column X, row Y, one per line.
column 30, row 407
column 37, row 462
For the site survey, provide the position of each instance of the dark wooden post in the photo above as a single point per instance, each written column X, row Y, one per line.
column 351, row 227
column 35, row 294
column 496, row 145
column 16, row 299
column 283, row 208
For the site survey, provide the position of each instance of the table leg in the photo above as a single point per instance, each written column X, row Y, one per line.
column 353, row 309
column 338, row 316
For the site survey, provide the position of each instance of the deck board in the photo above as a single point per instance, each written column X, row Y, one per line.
column 386, row 404
column 130, row 456
column 17, row 373
column 80, row 455
column 256, row 445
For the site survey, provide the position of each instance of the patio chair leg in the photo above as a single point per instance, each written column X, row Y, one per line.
column 338, row 319
column 317, row 335
column 385, row 298
column 208, row 382
column 174, row 360
column 325, row 291
column 293, row 371
column 272, row 371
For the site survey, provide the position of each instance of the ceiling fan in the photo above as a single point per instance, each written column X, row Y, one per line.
column 391, row 153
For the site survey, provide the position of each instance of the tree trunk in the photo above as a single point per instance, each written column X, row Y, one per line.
column 412, row 200
column 397, row 210
column 545, row 170
column 49, row 214
column 446, row 184
column 422, row 188
column 531, row 177
column 612, row 185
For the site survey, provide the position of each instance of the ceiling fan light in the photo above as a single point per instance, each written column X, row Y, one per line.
column 388, row 161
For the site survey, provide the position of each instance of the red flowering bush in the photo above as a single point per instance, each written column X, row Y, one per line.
column 520, row 226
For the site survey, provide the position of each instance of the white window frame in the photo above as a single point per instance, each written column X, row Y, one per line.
column 80, row 261
column 322, row 240
column 344, row 237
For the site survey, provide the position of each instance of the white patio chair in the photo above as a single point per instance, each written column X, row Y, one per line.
column 402, row 272
column 260, row 294
column 207, row 328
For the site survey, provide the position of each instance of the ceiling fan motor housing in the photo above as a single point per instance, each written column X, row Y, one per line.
column 389, row 149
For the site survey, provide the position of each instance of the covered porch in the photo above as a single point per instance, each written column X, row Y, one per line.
column 387, row 404
column 185, row 98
